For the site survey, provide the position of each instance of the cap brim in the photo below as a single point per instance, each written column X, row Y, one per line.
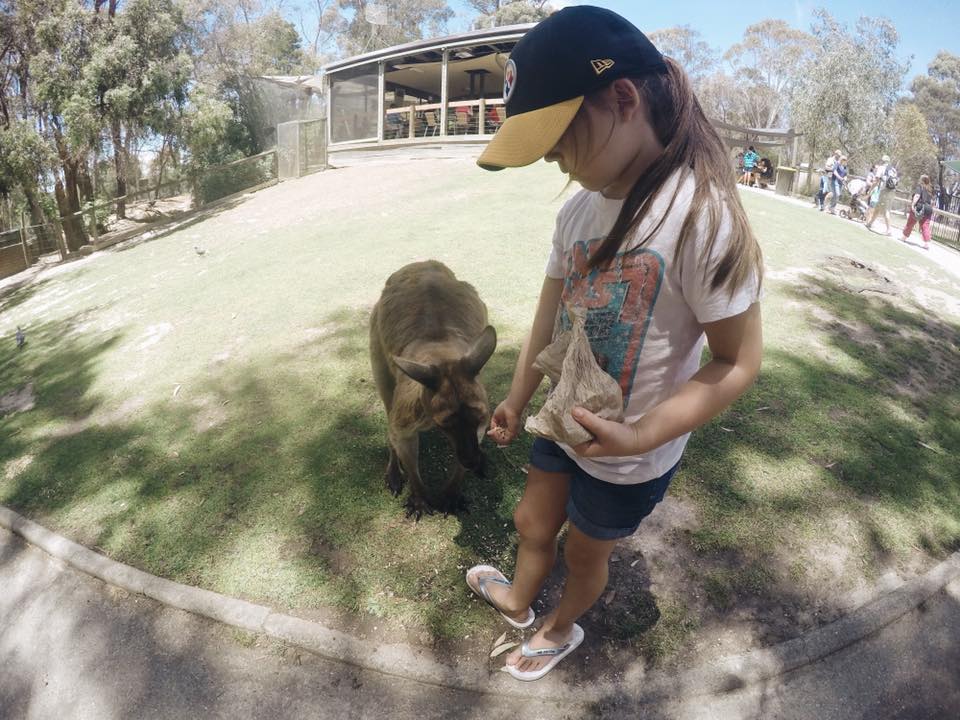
column 525, row 138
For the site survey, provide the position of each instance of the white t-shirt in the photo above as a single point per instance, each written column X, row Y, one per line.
column 644, row 317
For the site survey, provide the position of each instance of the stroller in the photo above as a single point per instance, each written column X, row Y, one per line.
column 859, row 191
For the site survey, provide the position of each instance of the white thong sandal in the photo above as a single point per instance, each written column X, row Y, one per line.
column 484, row 594
column 555, row 654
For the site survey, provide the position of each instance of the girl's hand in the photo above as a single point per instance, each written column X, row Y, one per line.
column 504, row 424
column 611, row 439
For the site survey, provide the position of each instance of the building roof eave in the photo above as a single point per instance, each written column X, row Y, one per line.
column 506, row 32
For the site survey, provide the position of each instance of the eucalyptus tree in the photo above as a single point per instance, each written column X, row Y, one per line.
column 687, row 47
column 137, row 76
column 380, row 24
column 937, row 95
column 767, row 65
column 498, row 13
column 848, row 90
column 911, row 148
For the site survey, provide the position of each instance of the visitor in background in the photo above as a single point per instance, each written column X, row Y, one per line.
column 822, row 191
column 921, row 210
column 837, row 181
column 884, row 184
column 750, row 158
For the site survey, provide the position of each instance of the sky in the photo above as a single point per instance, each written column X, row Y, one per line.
column 925, row 27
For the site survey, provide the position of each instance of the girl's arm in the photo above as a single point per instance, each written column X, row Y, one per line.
column 736, row 344
column 505, row 423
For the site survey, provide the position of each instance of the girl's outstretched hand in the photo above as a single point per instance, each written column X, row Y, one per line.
column 504, row 425
column 610, row 439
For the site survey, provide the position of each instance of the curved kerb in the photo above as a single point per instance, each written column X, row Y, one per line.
column 419, row 664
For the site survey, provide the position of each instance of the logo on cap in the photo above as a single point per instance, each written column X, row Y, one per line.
column 600, row 66
column 509, row 79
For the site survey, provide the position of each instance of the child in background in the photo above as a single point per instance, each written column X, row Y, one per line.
column 749, row 161
column 657, row 252
column 823, row 189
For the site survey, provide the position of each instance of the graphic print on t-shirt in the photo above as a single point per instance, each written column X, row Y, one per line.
column 619, row 300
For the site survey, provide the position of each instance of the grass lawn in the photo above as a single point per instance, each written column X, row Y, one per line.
column 212, row 419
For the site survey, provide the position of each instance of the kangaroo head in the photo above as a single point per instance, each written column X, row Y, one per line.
column 455, row 399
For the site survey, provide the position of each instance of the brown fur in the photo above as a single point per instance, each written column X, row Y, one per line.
column 429, row 338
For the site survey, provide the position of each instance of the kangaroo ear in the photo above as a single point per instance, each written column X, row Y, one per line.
column 481, row 350
column 426, row 375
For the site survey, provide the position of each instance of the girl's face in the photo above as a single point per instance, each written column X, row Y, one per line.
column 610, row 142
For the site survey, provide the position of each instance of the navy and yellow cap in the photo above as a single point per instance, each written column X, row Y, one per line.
column 570, row 54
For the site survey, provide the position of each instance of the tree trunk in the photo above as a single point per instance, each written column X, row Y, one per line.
column 73, row 229
column 68, row 201
column 132, row 166
column 119, row 161
column 161, row 159
column 86, row 184
column 36, row 216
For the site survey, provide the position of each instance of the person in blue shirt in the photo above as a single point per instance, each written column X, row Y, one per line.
column 750, row 158
column 837, row 180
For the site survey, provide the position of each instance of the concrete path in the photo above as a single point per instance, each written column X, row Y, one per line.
column 72, row 646
column 946, row 257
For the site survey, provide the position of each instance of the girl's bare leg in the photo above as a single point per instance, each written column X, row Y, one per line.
column 587, row 562
column 539, row 516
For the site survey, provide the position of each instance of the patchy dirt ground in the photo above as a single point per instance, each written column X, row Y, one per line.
column 18, row 400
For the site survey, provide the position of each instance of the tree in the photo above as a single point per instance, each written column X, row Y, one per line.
column 322, row 35
column 841, row 103
column 499, row 13
column 688, row 48
column 234, row 42
column 913, row 152
column 721, row 99
column 405, row 21
column 137, row 77
column 937, row 95
column 767, row 65
column 57, row 38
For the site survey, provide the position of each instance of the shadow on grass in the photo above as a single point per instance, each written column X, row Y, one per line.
column 261, row 480
column 264, row 480
column 862, row 426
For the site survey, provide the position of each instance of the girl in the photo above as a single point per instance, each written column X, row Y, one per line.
column 923, row 194
column 657, row 251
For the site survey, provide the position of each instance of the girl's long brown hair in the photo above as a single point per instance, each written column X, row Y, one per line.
column 690, row 142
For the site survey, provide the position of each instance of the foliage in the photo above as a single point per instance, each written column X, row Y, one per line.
column 937, row 95
column 235, row 42
column 911, row 149
column 848, row 89
column 406, row 20
column 767, row 65
column 23, row 155
column 499, row 13
column 689, row 49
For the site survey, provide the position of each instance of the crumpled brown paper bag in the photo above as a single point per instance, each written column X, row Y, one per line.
column 569, row 362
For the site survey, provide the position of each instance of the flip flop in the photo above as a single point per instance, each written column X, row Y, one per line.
column 484, row 594
column 555, row 654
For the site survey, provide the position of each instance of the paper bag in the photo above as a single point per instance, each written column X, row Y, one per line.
column 569, row 362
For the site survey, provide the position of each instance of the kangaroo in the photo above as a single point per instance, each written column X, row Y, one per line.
column 429, row 338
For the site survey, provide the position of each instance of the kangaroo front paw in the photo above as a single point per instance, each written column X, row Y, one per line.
column 417, row 507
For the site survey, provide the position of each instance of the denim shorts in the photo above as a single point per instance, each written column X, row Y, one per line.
column 599, row 509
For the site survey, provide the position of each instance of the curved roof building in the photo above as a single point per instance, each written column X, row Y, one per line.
column 438, row 91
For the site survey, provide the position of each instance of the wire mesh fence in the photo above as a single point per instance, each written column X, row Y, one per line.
column 20, row 247
column 301, row 147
